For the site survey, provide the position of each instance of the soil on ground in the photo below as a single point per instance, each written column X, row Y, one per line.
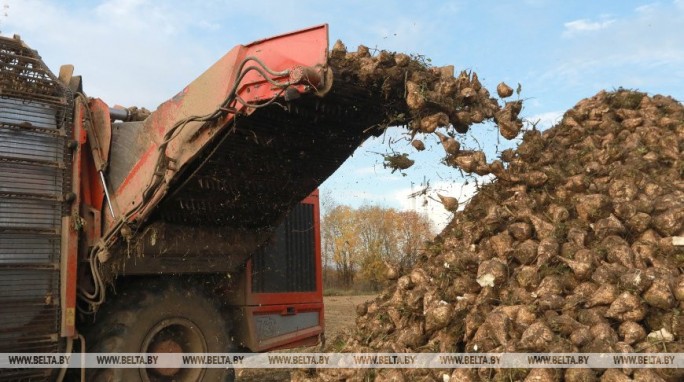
column 340, row 312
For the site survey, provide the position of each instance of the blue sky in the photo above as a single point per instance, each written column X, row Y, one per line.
column 138, row 52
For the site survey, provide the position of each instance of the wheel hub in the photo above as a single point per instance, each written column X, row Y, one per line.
column 166, row 346
column 173, row 335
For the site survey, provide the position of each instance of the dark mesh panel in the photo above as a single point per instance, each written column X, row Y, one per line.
column 288, row 263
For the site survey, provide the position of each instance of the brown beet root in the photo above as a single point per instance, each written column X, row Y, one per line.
column 631, row 332
column 503, row 90
column 627, row 307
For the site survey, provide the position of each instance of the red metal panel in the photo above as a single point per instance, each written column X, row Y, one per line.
column 307, row 336
column 70, row 230
column 99, row 144
column 299, row 302
column 306, row 48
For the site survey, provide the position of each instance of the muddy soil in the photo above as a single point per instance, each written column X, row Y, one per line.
column 340, row 312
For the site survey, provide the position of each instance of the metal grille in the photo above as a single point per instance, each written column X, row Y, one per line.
column 271, row 160
column 34, row 126
column 288, row 264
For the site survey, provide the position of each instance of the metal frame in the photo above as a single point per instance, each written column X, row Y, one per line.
column 250, row 304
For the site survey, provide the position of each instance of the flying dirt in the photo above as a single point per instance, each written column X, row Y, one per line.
column 425, row 99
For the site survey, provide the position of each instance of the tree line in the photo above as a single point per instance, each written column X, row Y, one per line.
column 359, row 244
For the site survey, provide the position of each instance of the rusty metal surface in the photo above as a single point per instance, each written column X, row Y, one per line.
column 34, row 125
column 129, row 142
column 102, row 128
column 164, row 248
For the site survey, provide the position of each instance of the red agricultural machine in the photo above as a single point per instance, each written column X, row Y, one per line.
column 191, row 229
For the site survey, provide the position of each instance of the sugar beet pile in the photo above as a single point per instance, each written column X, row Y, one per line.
column 568, row 250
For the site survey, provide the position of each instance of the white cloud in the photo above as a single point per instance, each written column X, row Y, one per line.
column 545, row 120
column 363, row 195
column 388, row 178
column 425, row 205
column 120, row 8
column 429, row 204
column 584, row 25
column 647, row 7
column 640, row 50
column 536, row 3
column 367, row 170
column 376, row 173
column 208, row 25
column 407, row 33
column 129, row 52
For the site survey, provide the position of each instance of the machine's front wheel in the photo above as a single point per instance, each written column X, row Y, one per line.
column 160, row 316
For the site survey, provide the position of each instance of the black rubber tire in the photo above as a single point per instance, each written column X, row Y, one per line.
column 127, row 317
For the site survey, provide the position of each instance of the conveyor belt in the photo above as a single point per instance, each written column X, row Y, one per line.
column 34, row 124
column 272, row 159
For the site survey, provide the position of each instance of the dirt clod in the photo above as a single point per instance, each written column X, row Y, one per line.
column 504, row 90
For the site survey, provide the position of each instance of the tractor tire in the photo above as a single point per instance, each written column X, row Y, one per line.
column 159, row 315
